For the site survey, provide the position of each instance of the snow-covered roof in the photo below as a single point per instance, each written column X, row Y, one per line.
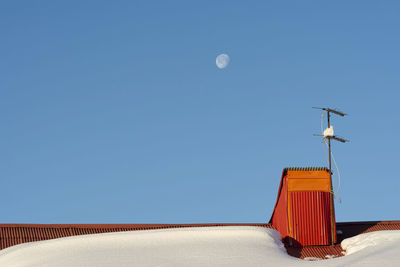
column 13, row 234
column 231, row 246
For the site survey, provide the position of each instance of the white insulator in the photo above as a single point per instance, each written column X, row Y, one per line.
column 328, row 132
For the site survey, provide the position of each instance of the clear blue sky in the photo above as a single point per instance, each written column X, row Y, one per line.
column 115, row 112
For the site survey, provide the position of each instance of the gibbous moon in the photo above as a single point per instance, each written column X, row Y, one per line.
column 222, row 61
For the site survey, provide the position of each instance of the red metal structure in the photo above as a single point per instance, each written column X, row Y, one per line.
column 304, row 212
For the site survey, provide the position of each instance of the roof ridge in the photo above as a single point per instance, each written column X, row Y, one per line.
column 306, row 169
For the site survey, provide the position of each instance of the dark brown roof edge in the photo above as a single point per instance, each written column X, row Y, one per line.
column 106, row 225
column 368, row 222
column 139, row 225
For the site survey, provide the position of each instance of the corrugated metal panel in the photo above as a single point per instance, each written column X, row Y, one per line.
column 311, row 218
column 305, row 203
column 14, row 234
column 321, row 252
column 305, row 169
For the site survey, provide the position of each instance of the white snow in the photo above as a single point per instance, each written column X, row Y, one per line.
column 373, row 241
column 206, row 246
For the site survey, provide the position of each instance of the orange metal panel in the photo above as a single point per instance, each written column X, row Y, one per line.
column 307, row 180
column 304, row 174
column 309, row 184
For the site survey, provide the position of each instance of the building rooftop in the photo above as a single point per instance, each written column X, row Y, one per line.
column 14, row 234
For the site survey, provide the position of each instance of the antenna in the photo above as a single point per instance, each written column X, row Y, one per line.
column 333, row 111
column 329, row 135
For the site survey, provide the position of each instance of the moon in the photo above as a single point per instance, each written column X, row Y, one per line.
column 222, row 61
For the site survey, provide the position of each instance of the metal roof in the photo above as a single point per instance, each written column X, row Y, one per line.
column 305, row 169
column 13, row 234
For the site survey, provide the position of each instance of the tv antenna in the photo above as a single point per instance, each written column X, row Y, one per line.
column 329, row 135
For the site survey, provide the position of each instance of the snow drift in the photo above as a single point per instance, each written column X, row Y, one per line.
column 205, row 246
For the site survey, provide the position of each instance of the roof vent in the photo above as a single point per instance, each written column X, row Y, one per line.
column 304, row 213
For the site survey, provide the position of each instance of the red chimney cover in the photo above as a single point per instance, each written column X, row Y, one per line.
column 304, row 213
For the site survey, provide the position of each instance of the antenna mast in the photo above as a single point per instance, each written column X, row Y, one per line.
column 329, row 134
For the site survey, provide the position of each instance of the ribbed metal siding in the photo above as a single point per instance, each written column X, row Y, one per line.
column 311, row 218
column 321, row 252
column 10, row 236
column 305, row 169
column 14, row 234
